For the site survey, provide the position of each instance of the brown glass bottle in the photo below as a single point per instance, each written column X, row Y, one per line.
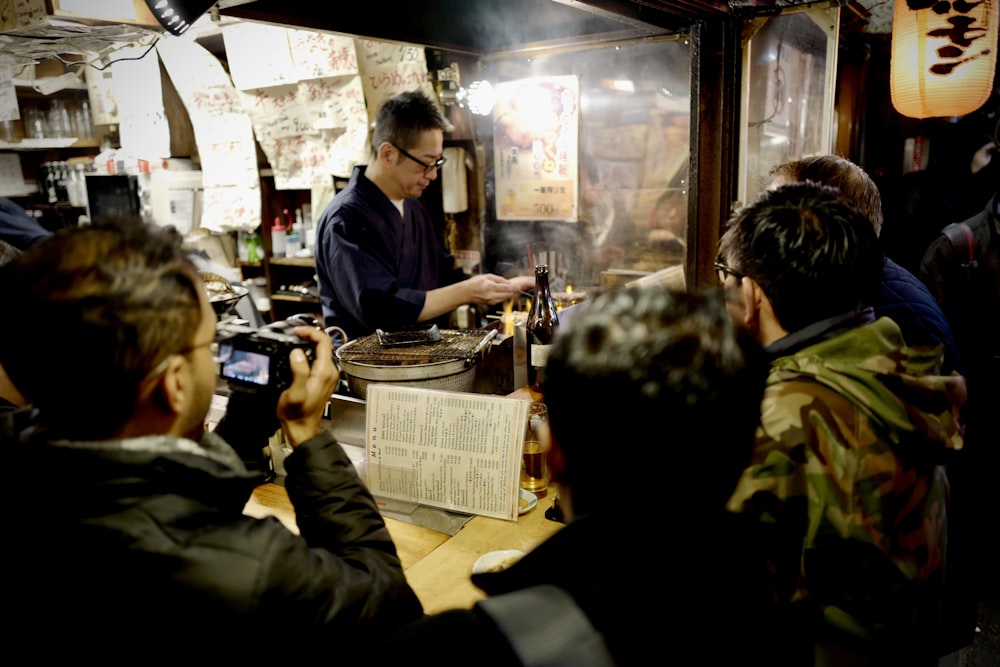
column 540, row 329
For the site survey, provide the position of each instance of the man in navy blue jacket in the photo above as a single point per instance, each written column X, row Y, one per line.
column 18, row 228
column 901, row 295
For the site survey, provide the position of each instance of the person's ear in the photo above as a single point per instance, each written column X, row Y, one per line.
column 753, row 298
column 175, row 385
column 385, row 152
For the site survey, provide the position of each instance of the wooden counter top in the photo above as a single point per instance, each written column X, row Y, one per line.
column 441, row 578
column 437, row 565
column 412, row 542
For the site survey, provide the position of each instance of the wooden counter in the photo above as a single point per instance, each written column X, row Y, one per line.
column 437, row 565
column 441, row 578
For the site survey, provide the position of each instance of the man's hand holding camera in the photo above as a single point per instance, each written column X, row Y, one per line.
column 281, row 375
column 302, row 404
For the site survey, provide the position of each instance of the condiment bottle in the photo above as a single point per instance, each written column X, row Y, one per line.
column 293, row 242
column 278, row 233
column 540, row 329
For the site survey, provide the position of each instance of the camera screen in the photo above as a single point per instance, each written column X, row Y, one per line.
column 251, row 367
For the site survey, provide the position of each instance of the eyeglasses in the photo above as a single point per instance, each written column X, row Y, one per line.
column 428, row 167
column 722, row 272
column 215, row 346
column 221, row 352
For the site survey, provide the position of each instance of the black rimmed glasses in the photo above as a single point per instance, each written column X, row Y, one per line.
column 722, row 272
column 216, row 347
column 221, row 351
column 428, row 166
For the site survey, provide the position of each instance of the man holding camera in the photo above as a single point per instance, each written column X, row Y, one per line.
column 130, row 538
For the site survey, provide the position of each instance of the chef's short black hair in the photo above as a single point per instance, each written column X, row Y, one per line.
column 403, row 118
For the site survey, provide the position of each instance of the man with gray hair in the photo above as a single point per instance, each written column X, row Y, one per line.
column 901, row 295
column 380, row 258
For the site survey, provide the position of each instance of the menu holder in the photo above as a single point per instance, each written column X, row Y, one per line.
column 453, row 450
column 671, row 277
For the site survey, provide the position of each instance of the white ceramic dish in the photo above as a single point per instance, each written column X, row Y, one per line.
column 526, row 501
column 495, row 561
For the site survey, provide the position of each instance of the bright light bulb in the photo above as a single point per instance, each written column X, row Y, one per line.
column 480, row 98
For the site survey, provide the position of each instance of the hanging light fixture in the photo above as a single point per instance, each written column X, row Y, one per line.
column 176, row 16
column 478, row 98
column 944, row 54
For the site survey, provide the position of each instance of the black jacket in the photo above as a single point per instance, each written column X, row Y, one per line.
column 652, row 587
column 138, row 550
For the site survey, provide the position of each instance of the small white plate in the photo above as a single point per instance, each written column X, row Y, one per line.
column 495, row 561
column 526, row 501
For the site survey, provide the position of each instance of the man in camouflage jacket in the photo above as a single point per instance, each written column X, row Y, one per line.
column 848, row 478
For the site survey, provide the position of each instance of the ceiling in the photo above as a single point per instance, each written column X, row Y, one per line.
column 489, row 27
column 476, row 27
column 482, row 27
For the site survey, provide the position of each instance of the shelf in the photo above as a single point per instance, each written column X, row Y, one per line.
column 293, row 261
column 17, row 193
column 45, row 144
column 291, row 297
column 29, row 84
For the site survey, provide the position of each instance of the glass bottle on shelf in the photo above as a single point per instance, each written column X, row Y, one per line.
column 81, row 184
column 50, row 176
column 62, row 182
column 82, row 126
column 72, row 192
column 59, row 119
column 540, row 329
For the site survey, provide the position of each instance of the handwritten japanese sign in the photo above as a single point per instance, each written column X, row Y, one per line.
column 223, row 133
column 259, row 55
column 317, row 55
column 388, row 69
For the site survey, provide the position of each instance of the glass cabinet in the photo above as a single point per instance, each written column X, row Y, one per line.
column 789, row 73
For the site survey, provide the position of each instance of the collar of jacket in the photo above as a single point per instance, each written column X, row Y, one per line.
column 819, row 331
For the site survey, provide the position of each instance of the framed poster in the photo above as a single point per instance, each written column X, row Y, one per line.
column 535, row 138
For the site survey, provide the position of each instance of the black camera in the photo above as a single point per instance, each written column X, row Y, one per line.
column 257, row 359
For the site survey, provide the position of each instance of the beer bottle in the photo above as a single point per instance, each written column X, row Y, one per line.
column 540, row 328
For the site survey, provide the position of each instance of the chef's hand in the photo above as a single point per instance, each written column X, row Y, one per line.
column 488, row 288
column 523, row 283
column 301, row 406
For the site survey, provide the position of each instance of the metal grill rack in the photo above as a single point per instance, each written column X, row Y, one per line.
column 454, row 344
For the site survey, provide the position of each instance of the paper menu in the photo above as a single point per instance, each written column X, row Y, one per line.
column 453, row 450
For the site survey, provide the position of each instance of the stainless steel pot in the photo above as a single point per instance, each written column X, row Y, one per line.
column 399, row 367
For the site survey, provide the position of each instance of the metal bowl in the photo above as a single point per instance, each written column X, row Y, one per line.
column 222, row 294
column 223, row 303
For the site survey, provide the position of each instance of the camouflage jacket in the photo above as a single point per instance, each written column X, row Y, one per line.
column 848, row 485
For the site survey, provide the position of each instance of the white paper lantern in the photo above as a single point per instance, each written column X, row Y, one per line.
column 944, row 55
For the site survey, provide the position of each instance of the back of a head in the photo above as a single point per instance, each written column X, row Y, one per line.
column 662, row 364
column 813, row 254
column 401, row 120
column 853, row 182
column 95, row 306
